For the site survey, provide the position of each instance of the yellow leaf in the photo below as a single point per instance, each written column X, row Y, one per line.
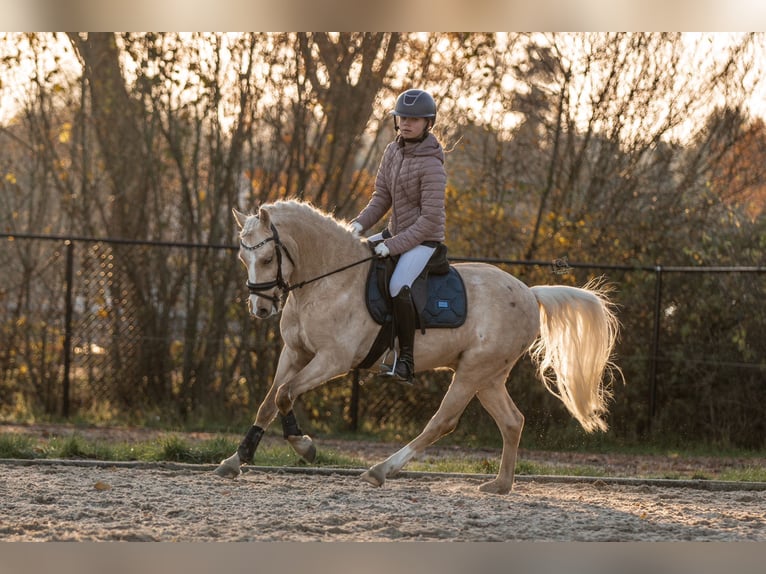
column 10, row 178
column 100, row 485
column 66, row 132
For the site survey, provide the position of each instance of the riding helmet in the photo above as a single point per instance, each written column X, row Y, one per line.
column 415, row 104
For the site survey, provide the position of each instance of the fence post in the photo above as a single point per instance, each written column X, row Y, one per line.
column 354, row 406
column 67, row 326
column 655, row 345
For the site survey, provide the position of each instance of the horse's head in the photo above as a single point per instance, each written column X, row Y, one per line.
column 267, row 261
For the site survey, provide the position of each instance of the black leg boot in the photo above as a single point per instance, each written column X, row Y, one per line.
column 406, row 322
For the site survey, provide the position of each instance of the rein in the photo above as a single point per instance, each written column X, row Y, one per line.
column 349, row 266
column 280, row 282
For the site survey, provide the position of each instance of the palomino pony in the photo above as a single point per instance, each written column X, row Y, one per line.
column 308, row 265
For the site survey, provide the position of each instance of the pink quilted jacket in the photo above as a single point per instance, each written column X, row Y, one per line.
column 411, row 181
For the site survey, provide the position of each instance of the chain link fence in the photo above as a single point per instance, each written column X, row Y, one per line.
column 159, row 333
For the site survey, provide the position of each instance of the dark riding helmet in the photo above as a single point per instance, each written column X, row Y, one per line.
column 415, row 104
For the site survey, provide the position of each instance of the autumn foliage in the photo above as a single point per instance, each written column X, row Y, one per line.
column 624, row 151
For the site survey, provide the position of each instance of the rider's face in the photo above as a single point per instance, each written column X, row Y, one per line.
column 412, row 128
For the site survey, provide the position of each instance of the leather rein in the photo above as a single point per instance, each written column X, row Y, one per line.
column 280, row 282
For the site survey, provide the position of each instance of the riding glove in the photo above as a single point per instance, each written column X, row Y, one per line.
column 381, row 250
column 356, row 228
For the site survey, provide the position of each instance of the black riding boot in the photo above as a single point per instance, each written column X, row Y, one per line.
column 405, row 320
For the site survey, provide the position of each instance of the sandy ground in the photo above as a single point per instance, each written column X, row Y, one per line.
column 96, row 501
column 188, row 503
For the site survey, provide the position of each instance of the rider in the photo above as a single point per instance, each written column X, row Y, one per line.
column 411, row 182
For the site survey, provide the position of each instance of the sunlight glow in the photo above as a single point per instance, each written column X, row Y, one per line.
column 702, row 51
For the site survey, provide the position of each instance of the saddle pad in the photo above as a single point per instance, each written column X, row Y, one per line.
column 445, row 302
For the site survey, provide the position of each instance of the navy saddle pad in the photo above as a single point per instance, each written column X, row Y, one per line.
column 440, row 299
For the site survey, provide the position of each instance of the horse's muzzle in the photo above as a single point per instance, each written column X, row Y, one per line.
column 262, row 312
column 261, row 308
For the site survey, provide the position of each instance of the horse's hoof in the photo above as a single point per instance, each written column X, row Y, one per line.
column 374, row 476
column 304, row 447
column 496, row 487
column 226, row 471
column 230, row 467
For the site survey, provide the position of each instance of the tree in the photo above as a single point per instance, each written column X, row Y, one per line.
column 596, row 147
column 609, row 112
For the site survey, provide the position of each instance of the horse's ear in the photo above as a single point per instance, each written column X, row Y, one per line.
column 240, row 217
column 264, row 216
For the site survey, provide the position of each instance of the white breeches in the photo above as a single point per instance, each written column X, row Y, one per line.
column 411, row 264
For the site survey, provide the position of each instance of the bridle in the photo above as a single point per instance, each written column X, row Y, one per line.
column 280, row 282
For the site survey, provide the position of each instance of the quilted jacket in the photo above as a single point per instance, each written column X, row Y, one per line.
column 410, row 182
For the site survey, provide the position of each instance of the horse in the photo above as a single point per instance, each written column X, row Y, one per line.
column 308, row 265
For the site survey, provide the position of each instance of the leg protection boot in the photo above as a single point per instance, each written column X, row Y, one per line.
column 405, row 320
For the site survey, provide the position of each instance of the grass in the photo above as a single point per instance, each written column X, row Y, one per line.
column 17, row 446
column 175, row 448
column 169, row 448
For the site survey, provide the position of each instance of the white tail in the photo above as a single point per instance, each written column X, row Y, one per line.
column 578, row 331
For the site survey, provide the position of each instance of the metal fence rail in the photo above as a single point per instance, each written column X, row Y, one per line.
column 73, row 332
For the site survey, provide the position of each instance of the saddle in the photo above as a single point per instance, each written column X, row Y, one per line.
column 438, row 294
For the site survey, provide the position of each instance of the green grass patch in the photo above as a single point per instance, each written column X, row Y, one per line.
column 747, row 474
column 481, row 466
column 76, row 447
column 166, row 448
column 17, row 446
column 173, row 447
column 491, row 466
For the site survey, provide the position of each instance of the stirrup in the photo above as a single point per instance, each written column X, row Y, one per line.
column 389, row 371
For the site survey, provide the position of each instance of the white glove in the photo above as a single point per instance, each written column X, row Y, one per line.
column 381, row 250
column 356, row 228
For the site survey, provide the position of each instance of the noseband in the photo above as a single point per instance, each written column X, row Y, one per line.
column 260, row 288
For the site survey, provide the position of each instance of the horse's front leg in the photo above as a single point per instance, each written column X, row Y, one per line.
column 289, row 364
column 322, row 367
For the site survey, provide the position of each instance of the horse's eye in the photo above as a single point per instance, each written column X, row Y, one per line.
column 268, row 260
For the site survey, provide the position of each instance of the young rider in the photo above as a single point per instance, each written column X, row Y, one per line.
column 410, row 182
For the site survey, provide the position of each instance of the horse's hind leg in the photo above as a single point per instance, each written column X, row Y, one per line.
column 510, row 421
column 442, row 423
